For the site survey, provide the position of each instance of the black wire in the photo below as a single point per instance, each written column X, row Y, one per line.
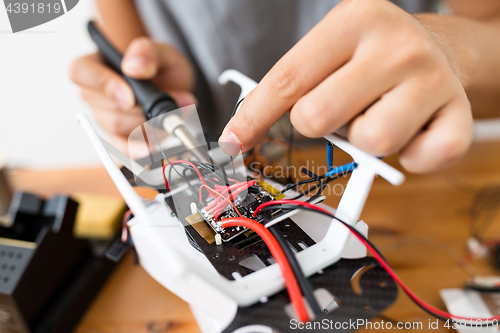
column 163, row 154
column 206, row 172
column 134, row 250
column 322, row 186
column 353, row 230
column 211, row 170
column 226, row 183
column 191, row 187
column 304, row 284
column 131, row 242
column 232, row 163
column 328, row 180
column 192, row 242
column 305, row 192
column 290, row 150
column 302, row 182
column 236, row 107
column 292, row 207
column 232, row 115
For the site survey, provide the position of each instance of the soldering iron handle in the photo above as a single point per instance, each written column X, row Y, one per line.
column 153, row 101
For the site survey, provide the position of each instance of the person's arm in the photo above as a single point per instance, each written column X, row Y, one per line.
column 120, row 21
column 398, row 81
column 469, row 38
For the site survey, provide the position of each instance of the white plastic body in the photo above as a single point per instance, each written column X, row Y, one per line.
column 165, row 253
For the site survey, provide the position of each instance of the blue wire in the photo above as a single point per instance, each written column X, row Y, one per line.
column 341, row 169
column 329, row 155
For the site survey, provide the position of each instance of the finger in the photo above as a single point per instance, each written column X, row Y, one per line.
column 341, row 96
column 114, row 120
column 446, row 139
column 90, row 72
column 390, row 123
column 145, row 59
column 289, row 79
column 117, row 122
column 97, row 99
column 183, row 98
column 132, row 148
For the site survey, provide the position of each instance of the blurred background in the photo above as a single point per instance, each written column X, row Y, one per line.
column 38, row 102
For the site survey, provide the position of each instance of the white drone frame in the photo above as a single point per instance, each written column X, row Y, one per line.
column 250, row 289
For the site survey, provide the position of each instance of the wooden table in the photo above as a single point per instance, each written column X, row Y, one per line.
column 419, row 226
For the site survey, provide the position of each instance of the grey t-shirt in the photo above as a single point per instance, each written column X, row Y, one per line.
column 246, row 35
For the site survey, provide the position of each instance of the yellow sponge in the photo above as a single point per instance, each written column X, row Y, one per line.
column 98, row 215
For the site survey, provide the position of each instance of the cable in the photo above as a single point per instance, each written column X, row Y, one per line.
column 461, row 261
column 335, row 173
column 329, row 155
column 440, row 314
column 126, row 217
column 307, row 181
column 304, row 284
column 191, row 187
column 237, row 188
column 349, row 167
column 166, row 158
column 223, row 198
column 321, row 186
column 290, row 150
column 236, row 107
column 278, row 254
column 189, row 163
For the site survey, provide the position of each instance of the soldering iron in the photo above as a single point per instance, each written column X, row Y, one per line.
column 155, row 103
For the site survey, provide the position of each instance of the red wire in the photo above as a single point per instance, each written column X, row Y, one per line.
column 230, row 188
column 220, row 206
column 223, row 198
column 289, row 202
column 210, row 190
column 165, row 178
column 194, row 167
column 124, row 225
column 186, row 162
column 223, row 193
column 383, row 263
column 278, row 254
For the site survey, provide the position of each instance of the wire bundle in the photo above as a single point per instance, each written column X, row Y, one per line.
column 223, row 195
column 217, row 207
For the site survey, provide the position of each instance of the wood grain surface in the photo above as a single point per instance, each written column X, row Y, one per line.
column 420, row 226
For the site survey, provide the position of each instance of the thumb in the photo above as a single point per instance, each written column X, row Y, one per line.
column 140, row 60
column 145, row 59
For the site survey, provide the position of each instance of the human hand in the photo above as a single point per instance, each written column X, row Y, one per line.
column 376, row 68
column 111, row 97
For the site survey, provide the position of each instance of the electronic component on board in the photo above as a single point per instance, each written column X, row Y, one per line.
column 257, row 194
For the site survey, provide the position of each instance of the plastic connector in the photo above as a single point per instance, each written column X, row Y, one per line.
column 341, row 169
column 329, row 155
